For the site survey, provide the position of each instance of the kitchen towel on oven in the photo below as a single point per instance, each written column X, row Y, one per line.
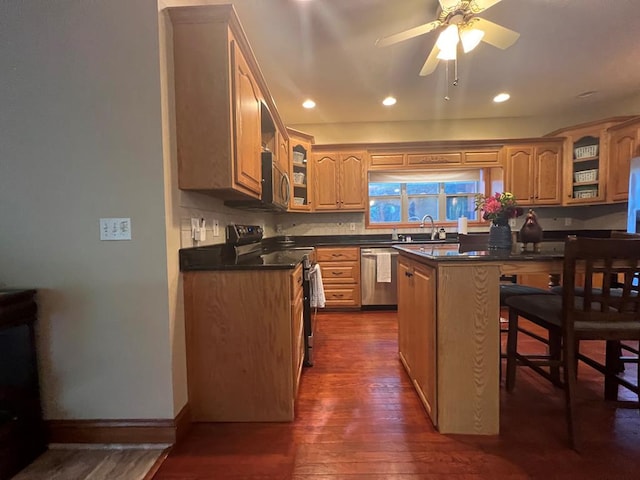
column 317, row 288
column 383, row 267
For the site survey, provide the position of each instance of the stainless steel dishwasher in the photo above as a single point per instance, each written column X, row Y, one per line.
column 374, row 292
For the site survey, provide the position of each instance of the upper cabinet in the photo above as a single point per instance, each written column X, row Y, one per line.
column 221, row 102
column 586, row 160
column 534, row 172
column 300, row 173
column 624, row 144
column 444, row 154
column 339, row 181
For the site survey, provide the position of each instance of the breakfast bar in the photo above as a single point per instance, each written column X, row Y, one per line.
column 448, row 327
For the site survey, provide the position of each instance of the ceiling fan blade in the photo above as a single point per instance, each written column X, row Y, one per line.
column 407, row 34
column 495, row 34
column 431, row 63
column 449, row 5
column 477, row 6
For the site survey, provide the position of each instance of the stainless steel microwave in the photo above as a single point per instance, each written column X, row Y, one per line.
column 276, row 188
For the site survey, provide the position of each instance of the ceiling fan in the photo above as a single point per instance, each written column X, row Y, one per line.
column 457, row 23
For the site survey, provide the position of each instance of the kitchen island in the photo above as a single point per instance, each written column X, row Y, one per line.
column 448, row 327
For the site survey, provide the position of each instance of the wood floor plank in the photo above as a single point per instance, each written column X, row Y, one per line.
column 359, row 418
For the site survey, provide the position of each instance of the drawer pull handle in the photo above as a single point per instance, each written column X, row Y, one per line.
column 338, row 295
column 337, row 273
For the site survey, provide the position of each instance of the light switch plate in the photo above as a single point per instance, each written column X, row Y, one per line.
column 115, row 229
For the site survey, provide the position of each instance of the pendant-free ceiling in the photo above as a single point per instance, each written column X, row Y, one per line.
column 457, row 23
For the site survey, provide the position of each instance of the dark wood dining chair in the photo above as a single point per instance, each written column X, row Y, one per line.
column 582, row 313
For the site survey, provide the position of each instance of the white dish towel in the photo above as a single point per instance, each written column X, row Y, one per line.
column 317, row 288
column 383, row 267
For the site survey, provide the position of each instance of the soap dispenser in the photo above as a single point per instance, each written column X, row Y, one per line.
column 442, row 234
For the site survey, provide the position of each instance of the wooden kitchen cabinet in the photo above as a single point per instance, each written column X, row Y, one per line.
column 340, row 267
column 534, row 172
column 245, row 344
column 339, row 181
column 624, row 143
column 417, row 330
column 222, row 104
column 586, row 157
column 300, row 173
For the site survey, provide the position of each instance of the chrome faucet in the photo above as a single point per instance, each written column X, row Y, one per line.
column 434, row 232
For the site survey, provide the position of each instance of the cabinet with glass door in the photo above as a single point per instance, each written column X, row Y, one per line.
column 300, row 144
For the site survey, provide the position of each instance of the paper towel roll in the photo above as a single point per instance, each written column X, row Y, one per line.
column 462, row 225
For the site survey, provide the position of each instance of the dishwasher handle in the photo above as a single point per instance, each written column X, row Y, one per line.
column 371, row 252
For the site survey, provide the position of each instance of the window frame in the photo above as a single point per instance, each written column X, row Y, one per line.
column 490, row 179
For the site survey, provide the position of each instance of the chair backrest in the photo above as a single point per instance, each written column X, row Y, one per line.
column 470, row 242
column 606, row 258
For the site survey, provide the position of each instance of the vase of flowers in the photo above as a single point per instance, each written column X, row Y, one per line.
column 498, row 208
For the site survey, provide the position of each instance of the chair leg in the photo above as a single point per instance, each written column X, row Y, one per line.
column 555, row 353
column 612, row 367
column 512, row 344
column 569, row 370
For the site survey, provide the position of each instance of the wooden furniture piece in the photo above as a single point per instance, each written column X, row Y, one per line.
column 624, row 144
column 596, row 314
column 339, row 182
column 467, row 304
column 417, row 330
column 224, row 112
column 340, row 267
column 586, row 157
column 245, row 344
column 534, row 172
column 22, row 430
column 300, row 172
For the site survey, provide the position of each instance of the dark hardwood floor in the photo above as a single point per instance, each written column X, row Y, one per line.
column 358, row 417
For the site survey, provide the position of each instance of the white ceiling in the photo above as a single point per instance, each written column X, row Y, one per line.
column 325, row 49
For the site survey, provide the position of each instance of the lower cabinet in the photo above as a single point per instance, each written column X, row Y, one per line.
column 340, row 268
column 244, row 341
column 417, row 329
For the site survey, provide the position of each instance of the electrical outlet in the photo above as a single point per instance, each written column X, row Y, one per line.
column 216, row 228
column 352, row 226
column 115, row 229
column 567, row 221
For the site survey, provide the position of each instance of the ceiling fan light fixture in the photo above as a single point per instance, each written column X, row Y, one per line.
column 447, row 43
column 470, row 39
column 387, row 102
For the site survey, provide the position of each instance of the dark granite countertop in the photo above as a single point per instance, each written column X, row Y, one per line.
column 279, row 252
column 439, row 253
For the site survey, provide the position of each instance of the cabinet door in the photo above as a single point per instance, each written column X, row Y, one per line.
column 325, row 174
column 351, row 182
column 247, row 126
column 283, row 152
column 622, row 148
column 520, row 173
column 300, row 175
column 547, row 177
column 423, row 336
column 405, row 312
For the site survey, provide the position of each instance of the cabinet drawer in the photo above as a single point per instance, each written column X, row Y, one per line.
column 434, row 158
column 340, row 272
column 337, row 254
column 342, row 296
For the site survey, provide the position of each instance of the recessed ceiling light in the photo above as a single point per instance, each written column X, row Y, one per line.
column 309, row 103
column 389, row 101
column 501, row 97
column 586, row 94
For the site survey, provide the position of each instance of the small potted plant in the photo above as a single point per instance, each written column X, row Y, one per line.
column 498, row 208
